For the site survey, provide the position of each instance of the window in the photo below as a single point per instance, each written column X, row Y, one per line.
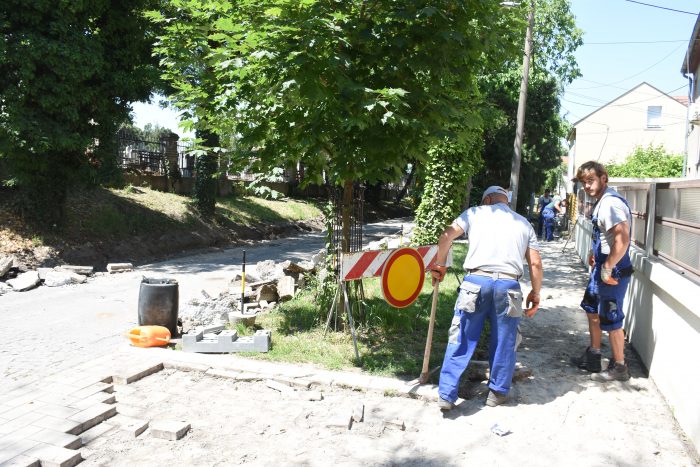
column 654, row 116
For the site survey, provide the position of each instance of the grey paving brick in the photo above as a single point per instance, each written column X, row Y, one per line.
column 132, row 426
column 62, row 389
column 13, row 450
column 55, row 410
column 57, row 438
column 169, row 429
column 97, row 398
column 22, row 461
column 54, row 456
column 58, row 399
column 57, row 424
column 92, row 389
column 129, row 410
column 95, row 432
column 186, row 366
column 20, row 410
column 129, row 375
column 21, row 422
column 92, row 416
column 229, row 374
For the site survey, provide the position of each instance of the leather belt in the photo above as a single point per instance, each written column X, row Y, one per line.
column 493, row 275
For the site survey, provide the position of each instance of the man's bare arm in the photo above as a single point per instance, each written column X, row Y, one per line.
column 534, row 262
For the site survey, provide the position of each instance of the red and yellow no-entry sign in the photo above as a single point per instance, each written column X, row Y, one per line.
column 403, row 277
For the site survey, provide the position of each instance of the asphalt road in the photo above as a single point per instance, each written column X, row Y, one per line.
column 50, row 329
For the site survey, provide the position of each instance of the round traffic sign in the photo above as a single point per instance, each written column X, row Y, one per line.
column 403, row 277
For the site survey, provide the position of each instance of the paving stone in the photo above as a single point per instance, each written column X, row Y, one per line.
column 54, row 456
column 358, row 412
column 18, row 435
column 22, row 461
column 129, row 410
column 302, row 383
column 395, row 424
column 283, row 388
column 58, row 399
column 169, row 429
column 12, row 450
column 17, row 412
column 128, row 376
column 97, row 398
column 93, row 389
column 57, row 410
column 92, row 416
column 132, row 426
column 57, row 438
column 61, row 424
column 340, row 421
column 310, row 395
column 96, row 431
column 21, row 422
column 246, row 376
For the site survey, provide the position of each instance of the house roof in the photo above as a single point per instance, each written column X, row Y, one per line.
column 692, row 57
column 624, row 94
column 682, row 99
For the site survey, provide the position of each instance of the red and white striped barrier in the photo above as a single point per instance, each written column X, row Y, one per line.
column 362, row 264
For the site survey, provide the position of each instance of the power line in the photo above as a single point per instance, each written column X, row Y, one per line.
column 634, row 42
column 661, row 7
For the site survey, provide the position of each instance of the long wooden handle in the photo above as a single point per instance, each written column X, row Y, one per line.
column 429, row 341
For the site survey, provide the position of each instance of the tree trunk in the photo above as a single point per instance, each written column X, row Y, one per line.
column 409, row 179
column 347, row 214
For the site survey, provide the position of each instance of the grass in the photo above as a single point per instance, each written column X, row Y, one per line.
column 391, row 341
column 248, row 209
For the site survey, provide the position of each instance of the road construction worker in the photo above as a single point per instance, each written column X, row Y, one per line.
column 543, row 201
column 499, row 239
column 610, row 275
column 549, row 212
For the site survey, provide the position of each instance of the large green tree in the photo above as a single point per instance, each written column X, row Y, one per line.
column 653, row 161
column 68, row 72
column 555, row 39
column 354, row 89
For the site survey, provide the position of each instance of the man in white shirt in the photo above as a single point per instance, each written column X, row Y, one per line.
column 499, row 240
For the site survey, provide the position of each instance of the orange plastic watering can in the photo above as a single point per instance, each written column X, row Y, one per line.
column 149, row 336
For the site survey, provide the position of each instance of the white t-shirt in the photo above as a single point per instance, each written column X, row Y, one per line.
column 610, row 211
column 498, row 238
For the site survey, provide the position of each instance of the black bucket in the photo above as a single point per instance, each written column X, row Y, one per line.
column 158, row 303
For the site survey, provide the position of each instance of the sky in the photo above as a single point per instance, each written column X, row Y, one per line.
column 625, row 43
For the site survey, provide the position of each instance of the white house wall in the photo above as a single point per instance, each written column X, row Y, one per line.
column 610, row 134
column 694, row 138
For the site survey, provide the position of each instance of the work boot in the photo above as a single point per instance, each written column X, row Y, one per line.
column 614, row 372
column 445, row 405
column 496, row 398
column 589, row 361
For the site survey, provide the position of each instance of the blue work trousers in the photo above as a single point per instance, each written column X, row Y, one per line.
column 492, row 304
column 548, row 215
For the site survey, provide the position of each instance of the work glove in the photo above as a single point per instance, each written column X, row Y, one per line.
column 606, row 276
column 438, row 272
column 532, row 303
column 591, row 259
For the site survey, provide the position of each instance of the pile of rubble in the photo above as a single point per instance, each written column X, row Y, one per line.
column 266, row 284
column 14, row 276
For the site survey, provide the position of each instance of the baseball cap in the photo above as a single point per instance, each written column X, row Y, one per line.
column 494, row 189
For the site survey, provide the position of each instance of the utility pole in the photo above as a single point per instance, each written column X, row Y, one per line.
column 518, row 144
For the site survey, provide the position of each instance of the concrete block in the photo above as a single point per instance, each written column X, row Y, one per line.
column 54, row 456
column 130, row 425
column 92, row 416
column 310, row 395
column 119, row 267
column 247, row 376
column 22, row 461
column 25, row 281
column 129, row 375
column 169, row 429
column 57, row 438
column 341, row 421
column 216, row 339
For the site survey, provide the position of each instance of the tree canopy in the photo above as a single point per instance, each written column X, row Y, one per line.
column 68, row 72
column 648, row 162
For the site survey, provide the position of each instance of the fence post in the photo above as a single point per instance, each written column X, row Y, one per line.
column 651, row 220
column 172, row 170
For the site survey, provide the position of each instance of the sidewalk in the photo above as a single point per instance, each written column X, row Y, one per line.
column 245, row 411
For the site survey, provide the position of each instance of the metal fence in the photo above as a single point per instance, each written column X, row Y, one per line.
column 674, row 206
column 150, row 156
